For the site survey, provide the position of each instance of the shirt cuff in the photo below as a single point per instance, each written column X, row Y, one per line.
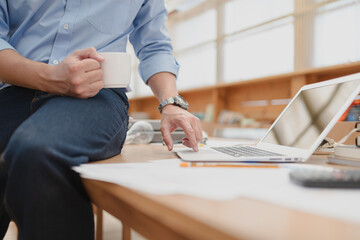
column 158, row 63
column 5, row 45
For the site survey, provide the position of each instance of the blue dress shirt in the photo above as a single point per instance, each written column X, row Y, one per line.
column 48, row 31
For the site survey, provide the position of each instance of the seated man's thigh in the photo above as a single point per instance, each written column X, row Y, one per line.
column 77, row 130
column 15, row 107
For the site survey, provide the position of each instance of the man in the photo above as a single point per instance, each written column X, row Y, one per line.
column 54, row 112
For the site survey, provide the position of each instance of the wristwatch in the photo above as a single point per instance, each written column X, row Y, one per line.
column 177, row 101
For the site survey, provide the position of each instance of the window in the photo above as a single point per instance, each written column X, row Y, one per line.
column 337, row 33
column 268, row 51
column 259, row 39
column 244, row 14
column 235, row 40
column 198, row 67
column 195, row 49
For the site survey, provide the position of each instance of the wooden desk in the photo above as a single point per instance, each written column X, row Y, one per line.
column 185, row 217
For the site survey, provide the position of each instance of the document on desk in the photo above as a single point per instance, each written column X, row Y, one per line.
column 270, row 185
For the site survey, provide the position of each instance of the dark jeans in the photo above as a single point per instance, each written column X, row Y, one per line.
column 41, row 137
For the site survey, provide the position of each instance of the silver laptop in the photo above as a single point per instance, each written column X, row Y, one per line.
column 297, row 132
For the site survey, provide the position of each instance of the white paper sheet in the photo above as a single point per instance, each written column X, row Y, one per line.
column 272, row 185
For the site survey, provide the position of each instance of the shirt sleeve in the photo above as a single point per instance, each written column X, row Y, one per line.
column 4, row 30
column 151, row 40
column 4, row 26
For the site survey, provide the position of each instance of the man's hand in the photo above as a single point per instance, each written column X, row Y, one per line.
column 174, row 117
column 79, row 75
column 163, row 85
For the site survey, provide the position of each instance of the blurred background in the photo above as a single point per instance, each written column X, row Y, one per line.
column 233, row 40
column 242, row 60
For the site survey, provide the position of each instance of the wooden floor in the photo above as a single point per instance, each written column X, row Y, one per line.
column 112, row 230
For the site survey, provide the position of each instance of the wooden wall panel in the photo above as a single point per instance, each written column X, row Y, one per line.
column 251, row 97
column 198, row 100
column 262, row 113
column 255, row 101
column 148, row 105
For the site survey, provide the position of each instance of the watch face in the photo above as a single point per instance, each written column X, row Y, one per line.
column 177, row 100
column 181, row 102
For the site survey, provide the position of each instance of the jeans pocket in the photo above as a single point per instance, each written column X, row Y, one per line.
column 110, row 16
column 121, row 93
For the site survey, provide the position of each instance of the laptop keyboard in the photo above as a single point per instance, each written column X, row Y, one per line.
column 245, row 151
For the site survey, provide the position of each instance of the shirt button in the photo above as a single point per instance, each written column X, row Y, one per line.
column 66, row 26
column 55, row 61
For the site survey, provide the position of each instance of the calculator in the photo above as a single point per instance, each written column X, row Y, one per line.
column 326, row 177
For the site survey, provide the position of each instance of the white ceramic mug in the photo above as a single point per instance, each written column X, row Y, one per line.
column 117, row 69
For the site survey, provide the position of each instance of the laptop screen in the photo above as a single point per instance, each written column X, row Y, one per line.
column 309, row 114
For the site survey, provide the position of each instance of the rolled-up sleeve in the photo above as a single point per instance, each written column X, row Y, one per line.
column 4, row 31
column 4, row 26
column 151, row 40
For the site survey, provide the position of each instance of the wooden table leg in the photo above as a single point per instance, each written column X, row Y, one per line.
column 126, row 232
column 99, row 224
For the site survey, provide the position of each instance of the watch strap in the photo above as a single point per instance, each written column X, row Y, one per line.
column 176, row 100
